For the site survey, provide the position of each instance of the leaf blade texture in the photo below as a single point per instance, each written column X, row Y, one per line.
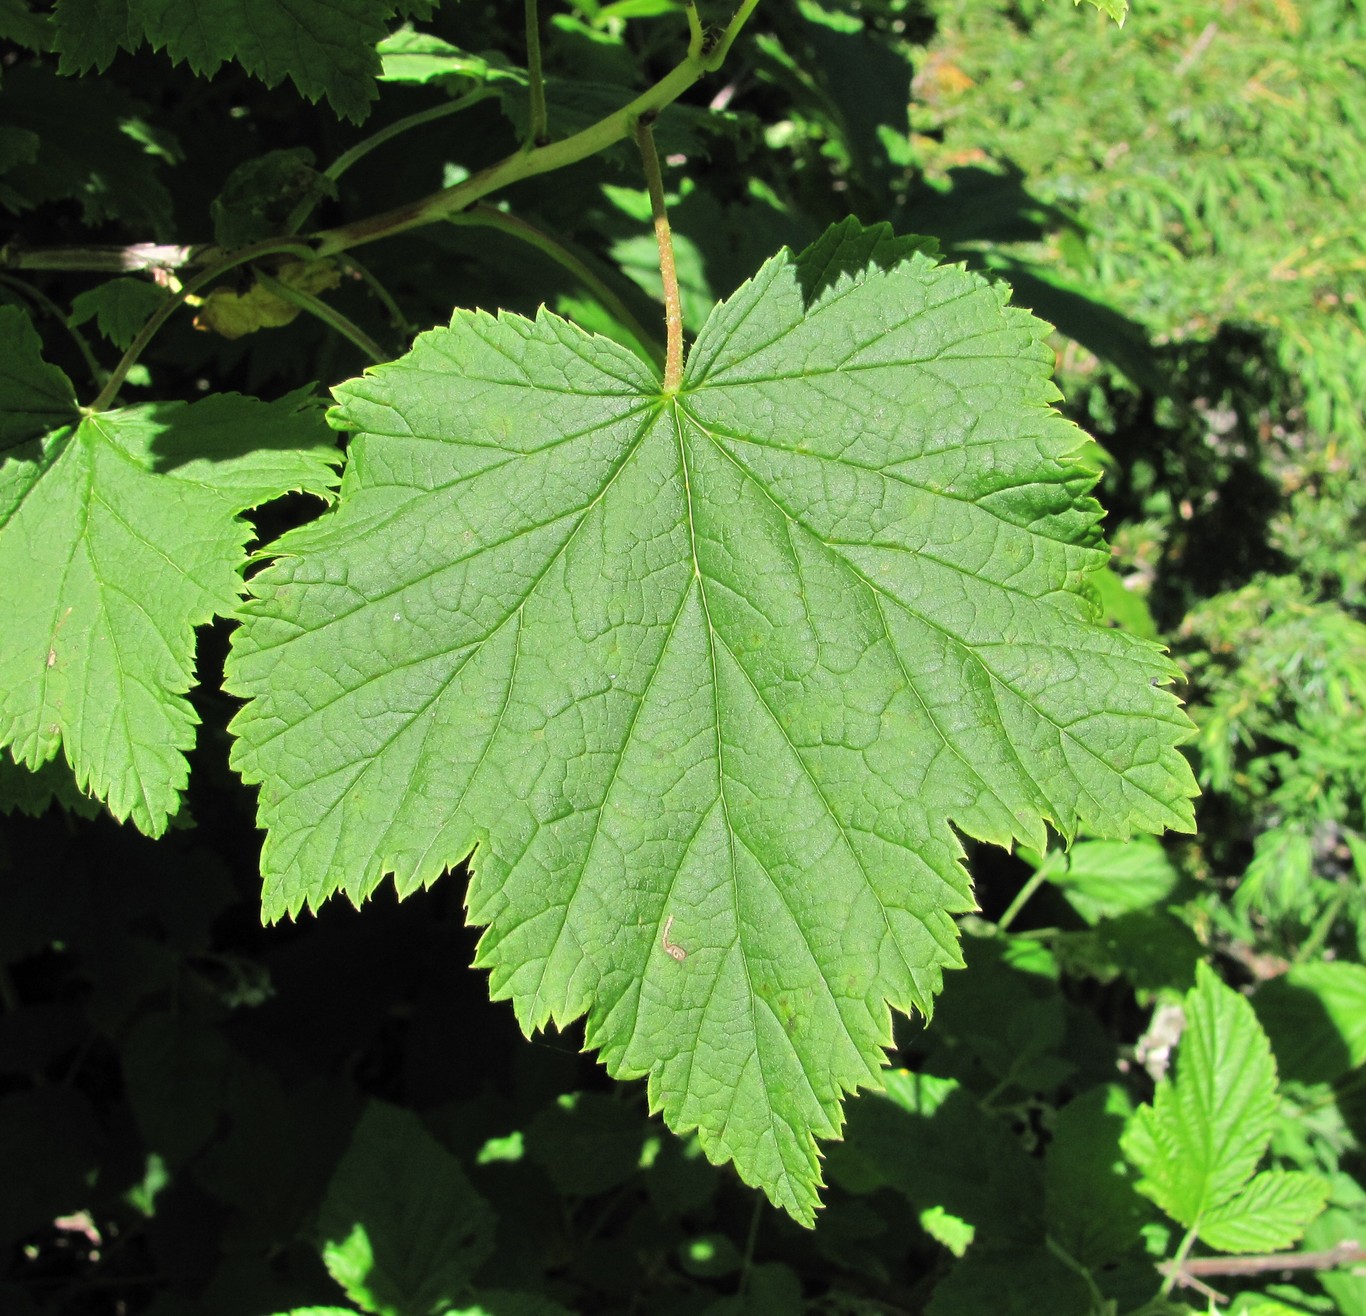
column 648, row 654
column 118, row 536
column 1271, row 1213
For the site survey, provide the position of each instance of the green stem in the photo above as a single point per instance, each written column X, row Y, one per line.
column 1318, row 934
column 329, row 315
column 490, row 217
column 751, row 1242
column 1182, row 1252
column 363, row 148
column 715, row 55
column 1022, row 898
column 696, row 37
column 243, row 255
column 673, row 304
column 524, row 164
column 1075, row 1266
column 48, row 306
column 536, row 128
column 397, row 320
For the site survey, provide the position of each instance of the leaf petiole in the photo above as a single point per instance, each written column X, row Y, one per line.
column 673, row 305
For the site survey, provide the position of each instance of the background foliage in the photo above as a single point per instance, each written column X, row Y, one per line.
column 201, row 1115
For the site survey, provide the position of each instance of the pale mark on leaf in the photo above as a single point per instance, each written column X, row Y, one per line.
column 676, row 951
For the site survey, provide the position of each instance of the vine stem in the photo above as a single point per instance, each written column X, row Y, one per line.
column 673, row 305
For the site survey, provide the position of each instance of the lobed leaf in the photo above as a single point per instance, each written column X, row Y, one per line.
column 706, row 678
column 119, row 534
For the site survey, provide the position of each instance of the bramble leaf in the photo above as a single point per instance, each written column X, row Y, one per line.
column 34, row 396
column 706, row 678
column 119, row 534
column 1199, row 1142
column 325, row 47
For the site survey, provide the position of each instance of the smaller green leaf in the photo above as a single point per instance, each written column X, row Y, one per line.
column 119, row 308
column 420, row 57
column 1122, row 606
column 587, row 1143
column 1015, row 1281
column 31, row 793
column 18, row 23
column 1199, row 1142
column 260, row 194
column 118, row 536
column 1271, row 1213
column 403, row 1230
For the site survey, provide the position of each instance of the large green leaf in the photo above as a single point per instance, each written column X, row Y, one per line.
column 119, row 534
column 706, row 678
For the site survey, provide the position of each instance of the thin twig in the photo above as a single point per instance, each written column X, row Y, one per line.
column 673, row 305
column 363, row 148
column 397, row 319
column 45, row 303
column 329, row 315
column 1345, row 1253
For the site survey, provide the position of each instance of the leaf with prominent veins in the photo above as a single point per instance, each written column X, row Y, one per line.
column 703, row 681
column 119, row 534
